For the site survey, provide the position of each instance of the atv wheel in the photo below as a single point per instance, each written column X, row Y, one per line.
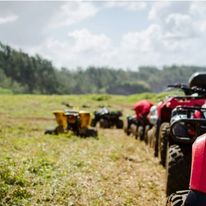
column 103, row 123
column 178, row 198
column 141, row 133
column 146, row 138
column 56, row 131
column 49, row 131
column 93, row 123
column 134, row 131
column 163, row 139
column 151, row 137
column 127, row 131
column 178, row 168
column 119, row 124
column 92, row 133
column 89, row 133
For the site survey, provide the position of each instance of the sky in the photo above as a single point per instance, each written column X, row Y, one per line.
column 119, row 34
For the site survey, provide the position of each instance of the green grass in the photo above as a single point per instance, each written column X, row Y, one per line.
column 38, row 169
column 5, row 91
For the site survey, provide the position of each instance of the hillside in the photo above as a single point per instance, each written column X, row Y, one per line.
column 21, row 73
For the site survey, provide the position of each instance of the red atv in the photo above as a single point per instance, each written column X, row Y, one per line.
column 187, row 123
column 196, row 196
column 195, row 95
column 137, row 124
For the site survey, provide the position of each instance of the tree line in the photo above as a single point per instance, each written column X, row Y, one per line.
column 22, row 73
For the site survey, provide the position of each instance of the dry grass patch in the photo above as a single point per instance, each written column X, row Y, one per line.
column 36, row 169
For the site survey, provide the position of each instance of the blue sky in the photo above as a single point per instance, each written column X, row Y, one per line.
column 120, row 34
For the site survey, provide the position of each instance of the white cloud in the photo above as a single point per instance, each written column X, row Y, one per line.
column 198, row 14
column 73, row 12
column 86, row 41
column 143, row 41
column 179, row 29
column 158, row 10
column 198, row 10
column 130, row 5
column 180, row 26
column 161, row 9
column 174, row 32
column 8, row 19
column 81, row 47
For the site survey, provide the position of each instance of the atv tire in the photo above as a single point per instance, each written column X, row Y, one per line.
column 134, row 130
column 178, row 198
column 91, row 133
column 103, row 123
column 146, row 137
column 87, row 132
column 178, row 168
column 55, row 131
column 49, row 131
column 163, row 139
column 141, row 133
column 93, row 123
column 151, row 137
column 119, row 124
column 127, row 131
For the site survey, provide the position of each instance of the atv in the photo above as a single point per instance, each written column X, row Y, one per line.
column 196, row 196
column 139, row 123
column 75, row 121
column 187, row 123
column 107, row 119
column 151, row 128
column 195, row 95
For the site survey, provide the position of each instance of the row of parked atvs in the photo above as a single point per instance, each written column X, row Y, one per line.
column 83, row 124
column 170, row 128
column 173, row 125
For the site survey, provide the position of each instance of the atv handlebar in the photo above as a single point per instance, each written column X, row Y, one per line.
column 187, row 90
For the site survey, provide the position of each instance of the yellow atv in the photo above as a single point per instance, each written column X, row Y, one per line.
column 76, row 121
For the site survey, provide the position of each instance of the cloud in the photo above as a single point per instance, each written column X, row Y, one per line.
column 81, row 47
column 86, row 41
column 130, row 5
column 180, row 26
column 160, row 10
column 198, row 10
column 177, row 25
column 8, row 19
column 143, row 41
column 73, row 12
column 166, row 32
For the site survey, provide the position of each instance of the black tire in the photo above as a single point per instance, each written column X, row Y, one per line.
column 151, row 137
column 141, row 133
column 163, row 140
column 119, row 124
column 91, row 133
column 127, row 131
column 178, row 168
column 93, row 123
column 49, row 131
column 134, row 130
column 103, row 123
column 55, row 131
column 178, row 198
column 146, row 137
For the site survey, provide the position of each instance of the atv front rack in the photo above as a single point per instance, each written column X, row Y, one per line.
column 187, row 123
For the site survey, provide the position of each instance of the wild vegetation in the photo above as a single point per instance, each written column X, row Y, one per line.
column 21, row 73
column 38, row 169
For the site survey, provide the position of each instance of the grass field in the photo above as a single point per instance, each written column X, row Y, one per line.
column 37, row 169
